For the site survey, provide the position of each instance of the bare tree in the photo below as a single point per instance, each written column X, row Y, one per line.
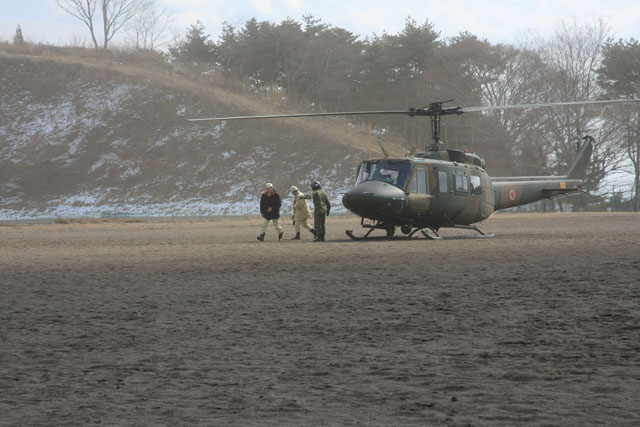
column 150, row 25
column 503, row 75
column 84, row 10
column 619, row 78
column 115, row 14
column 571, row 57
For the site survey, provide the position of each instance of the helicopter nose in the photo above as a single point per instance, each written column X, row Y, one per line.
column 374, row 199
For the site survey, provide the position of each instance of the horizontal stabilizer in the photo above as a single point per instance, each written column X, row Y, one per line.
column 559, row 192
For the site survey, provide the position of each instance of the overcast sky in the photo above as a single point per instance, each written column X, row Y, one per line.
column 499, row 21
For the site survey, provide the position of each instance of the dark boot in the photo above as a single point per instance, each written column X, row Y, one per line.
column 280, row 235
column 297, row 237
column 261, row 237
column 320, row 238
column 313, row 231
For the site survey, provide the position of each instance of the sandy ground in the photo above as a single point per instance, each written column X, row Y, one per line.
column 198, row 323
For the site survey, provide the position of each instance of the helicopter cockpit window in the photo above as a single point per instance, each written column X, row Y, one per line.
column 394, row 172
column 476, row 185
column 364, row 171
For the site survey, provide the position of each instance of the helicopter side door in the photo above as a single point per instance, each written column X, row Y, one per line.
column 481, row 188
column 442, row 190
column 462, row 208
column 419, row 198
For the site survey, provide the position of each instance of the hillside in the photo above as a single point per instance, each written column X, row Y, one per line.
column 83, row 135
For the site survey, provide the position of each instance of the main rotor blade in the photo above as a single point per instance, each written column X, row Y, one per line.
column 549, row 104
column 277, row 116
column 435, row 109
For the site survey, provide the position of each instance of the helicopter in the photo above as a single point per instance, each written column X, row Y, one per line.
column 439, row 188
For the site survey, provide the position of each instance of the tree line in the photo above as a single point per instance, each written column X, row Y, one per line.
column 325, row 68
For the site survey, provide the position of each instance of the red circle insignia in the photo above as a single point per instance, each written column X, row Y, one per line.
column 512, row 194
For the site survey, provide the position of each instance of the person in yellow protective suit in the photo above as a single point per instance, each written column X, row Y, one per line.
column 301, row 213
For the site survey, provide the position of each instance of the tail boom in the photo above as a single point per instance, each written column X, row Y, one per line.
column 516, row 191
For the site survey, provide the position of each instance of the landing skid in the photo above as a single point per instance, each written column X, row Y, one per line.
column 354, row 237
column 436, row 236
column 378, row 225
column 430, row 233
column 366, row 236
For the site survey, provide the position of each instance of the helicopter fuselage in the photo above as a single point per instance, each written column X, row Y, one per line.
column 447, row 188
column 421, row 191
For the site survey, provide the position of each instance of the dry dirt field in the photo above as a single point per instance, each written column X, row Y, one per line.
column 198, row 323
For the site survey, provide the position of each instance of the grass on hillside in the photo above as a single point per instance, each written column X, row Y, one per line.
column 206, row 86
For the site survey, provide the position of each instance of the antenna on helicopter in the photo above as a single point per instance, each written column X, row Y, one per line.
column 384, row 150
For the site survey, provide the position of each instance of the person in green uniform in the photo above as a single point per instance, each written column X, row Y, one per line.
column 321, row 209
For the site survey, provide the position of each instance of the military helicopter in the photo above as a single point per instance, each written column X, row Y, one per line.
column 426, row 191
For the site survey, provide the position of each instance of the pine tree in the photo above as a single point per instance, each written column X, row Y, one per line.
column 18, row 39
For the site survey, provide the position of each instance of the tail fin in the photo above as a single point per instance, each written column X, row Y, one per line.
column 579, row 166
